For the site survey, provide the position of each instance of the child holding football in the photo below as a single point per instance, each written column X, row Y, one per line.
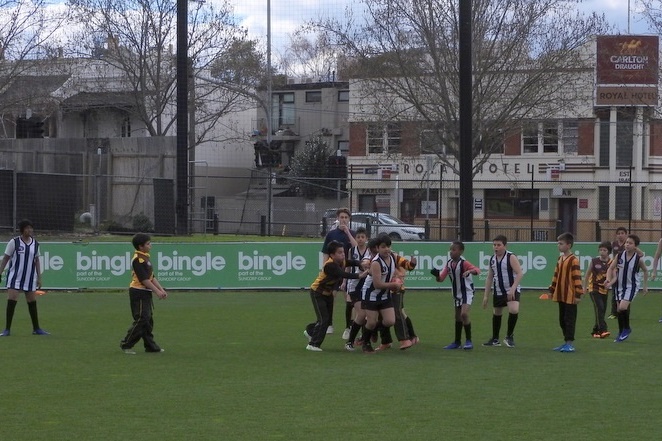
column 460, row 271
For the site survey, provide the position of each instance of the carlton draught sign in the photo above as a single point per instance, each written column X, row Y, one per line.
column 627, row 70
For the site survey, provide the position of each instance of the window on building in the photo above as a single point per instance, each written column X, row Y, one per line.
column 604, row 140
column 314, row 96
column 383, row 138
column 530, row 138
column 343, row 96
column 570, row 137
column 33, row 127
column 125, row 130
column 343, row 146
column 367, row 203
column 624, row 138
column 283, row 110
column 431, row 143
column 494, row 145
column 393, row 138
column 540, row 137
column 603, row 203
column 550, row 137
column 519, row 203
column 415, row 203
column 623, row 207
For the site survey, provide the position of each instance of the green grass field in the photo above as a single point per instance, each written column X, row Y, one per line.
column 235, row 368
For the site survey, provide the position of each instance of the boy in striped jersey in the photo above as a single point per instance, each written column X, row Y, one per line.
column 24, row 275
column 625, row 274
column 459, row 270
column 361, row 252
column 566, row 289
column 503, row 279
column 376, row 294
column 594, row 284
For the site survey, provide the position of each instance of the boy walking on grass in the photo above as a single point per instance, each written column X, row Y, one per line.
column 143, row 284
column 566, row 289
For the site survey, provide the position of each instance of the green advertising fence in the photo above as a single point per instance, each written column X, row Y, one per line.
column 283, row 265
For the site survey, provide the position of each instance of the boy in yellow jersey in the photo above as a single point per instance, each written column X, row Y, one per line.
column 143, row 284
column 566, row 289
column 594, row 284
column 321, row 292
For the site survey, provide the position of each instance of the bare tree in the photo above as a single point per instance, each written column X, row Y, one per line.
column 136, row 39
column 27, row 47
column 651, row 10
column 405, row 54
column 309, row 56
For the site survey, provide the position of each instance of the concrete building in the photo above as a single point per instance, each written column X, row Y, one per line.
column 593, row 166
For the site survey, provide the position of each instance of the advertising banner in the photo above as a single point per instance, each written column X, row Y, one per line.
column 281, row 265
column 627, row 70
column 627, row 59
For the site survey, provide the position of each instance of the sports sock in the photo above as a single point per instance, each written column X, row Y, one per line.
column 467, row 331
column 367, row 333
column 32, row 308
column 353, row 332
column 385, row 334
column 458, row 331
column 626, row 319
column 410, row 327
column 348, row 314
column 512, row 321
column 620, row 315
column 11, row 307
column 496, row 326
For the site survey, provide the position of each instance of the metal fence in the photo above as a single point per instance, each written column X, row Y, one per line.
column 531, row 210
column 128, row 185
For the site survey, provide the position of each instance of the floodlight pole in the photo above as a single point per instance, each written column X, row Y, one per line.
column 270, row 189
column 182, row 204
column 466, row 133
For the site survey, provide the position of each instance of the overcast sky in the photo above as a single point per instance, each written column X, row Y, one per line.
column 287, row 15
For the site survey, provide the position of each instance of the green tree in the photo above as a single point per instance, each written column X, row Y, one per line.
column 309, row 167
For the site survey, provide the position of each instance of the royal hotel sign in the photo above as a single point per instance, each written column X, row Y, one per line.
column 627, row 70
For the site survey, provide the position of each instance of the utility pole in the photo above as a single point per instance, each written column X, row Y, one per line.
column 466, row 129
column 181, row 204
column 270, row 189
